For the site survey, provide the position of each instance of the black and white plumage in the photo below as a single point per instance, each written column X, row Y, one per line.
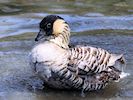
column 82, row 67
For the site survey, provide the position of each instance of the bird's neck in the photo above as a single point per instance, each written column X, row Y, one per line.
column 62, row 41
column 63, row 38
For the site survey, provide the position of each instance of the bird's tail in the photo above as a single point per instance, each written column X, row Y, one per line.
column 119, row 64
column 118, row 61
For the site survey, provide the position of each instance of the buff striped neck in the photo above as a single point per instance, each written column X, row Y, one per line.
column 61, row 31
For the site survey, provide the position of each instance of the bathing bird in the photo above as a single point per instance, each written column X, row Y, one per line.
column 80, row 67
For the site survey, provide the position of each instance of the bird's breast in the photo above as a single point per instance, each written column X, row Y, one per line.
column 48, row 52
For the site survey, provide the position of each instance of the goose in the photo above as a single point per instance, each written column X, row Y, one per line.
column 80, row 67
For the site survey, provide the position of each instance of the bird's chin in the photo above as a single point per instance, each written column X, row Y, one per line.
column 46, row 38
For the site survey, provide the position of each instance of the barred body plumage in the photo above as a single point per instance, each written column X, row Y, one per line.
column 82, row 67
column 89, row 59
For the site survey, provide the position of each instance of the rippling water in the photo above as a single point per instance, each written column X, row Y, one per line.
column 100, row 23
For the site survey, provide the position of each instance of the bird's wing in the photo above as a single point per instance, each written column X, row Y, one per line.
column 86, row 82
column 84, row 59
column 92, row 60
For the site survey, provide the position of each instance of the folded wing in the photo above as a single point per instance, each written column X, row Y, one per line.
column 93, row 60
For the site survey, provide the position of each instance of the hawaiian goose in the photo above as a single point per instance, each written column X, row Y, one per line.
column 82, row 67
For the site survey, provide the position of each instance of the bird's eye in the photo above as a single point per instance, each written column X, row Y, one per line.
column 49, row 25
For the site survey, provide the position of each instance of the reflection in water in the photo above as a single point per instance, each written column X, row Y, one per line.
column 107, row 24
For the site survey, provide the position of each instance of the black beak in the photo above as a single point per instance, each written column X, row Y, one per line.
column 40, row 35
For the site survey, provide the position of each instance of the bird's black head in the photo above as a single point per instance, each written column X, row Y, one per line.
column 46, row 26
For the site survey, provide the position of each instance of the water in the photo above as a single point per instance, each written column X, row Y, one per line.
column 102, row 23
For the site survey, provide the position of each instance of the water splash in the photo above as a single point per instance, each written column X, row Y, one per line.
column 124, row 75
